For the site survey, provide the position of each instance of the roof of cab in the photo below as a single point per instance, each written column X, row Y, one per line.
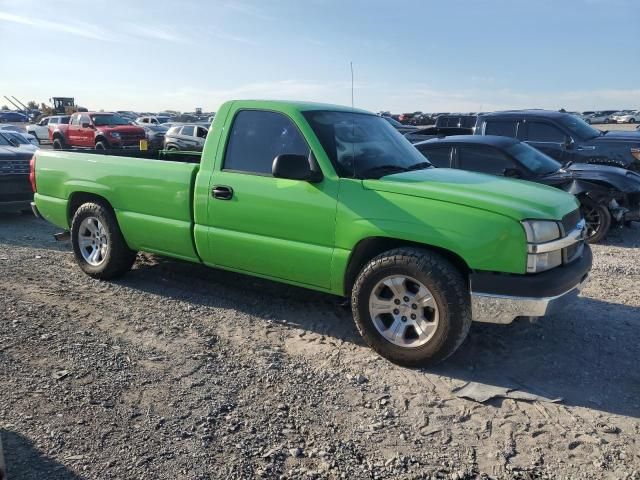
column 491, row 140
column 529, row 112
column 299, row 106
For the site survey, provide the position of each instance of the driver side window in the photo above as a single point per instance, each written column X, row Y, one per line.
column 257, row 137
column 484, row 160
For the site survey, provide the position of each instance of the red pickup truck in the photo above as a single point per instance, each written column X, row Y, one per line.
column 99, row 130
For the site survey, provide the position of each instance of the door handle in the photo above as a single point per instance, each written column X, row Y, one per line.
column 222, row 192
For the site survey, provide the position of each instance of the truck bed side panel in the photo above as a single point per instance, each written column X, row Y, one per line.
column 152, row 199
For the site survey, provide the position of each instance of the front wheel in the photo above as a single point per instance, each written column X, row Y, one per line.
column 412, row 307
column 102, row 145
column 598, row 219
column 98, row 245
column 58, row 144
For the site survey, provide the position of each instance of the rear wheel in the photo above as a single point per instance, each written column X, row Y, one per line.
column 597, row 218
column 412, row 307
column 98, row 245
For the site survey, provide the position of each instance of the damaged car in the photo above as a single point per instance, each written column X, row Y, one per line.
column 608, row 195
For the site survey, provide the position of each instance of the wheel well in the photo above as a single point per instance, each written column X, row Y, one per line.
column 77, row 199
column 101, row 138
column 369, row 248
column 58, row 135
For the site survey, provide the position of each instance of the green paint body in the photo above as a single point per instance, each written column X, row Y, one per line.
column 293, row 231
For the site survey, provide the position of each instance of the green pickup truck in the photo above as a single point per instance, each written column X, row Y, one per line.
column 333, row 199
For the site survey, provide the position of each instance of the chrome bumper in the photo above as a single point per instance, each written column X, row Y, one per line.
column 35, row 210
column 505, row 309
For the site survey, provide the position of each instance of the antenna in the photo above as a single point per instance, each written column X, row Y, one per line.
column 351, row 64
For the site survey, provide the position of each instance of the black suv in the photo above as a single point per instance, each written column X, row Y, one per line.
column 564, row 137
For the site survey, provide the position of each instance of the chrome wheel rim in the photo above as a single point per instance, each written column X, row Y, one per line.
column 93, row 241
column 403, row 311
column 593, row 221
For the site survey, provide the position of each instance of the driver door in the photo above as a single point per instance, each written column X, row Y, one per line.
column 547, row 138
column 269, row 226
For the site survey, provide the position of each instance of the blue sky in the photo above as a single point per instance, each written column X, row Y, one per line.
column 408, row 55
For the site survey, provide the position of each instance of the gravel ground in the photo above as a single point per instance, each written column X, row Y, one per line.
column 177, row 371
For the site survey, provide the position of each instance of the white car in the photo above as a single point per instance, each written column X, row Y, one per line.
column 628, row 117
column 599, row 117
column 152, row 120
column 40, row 130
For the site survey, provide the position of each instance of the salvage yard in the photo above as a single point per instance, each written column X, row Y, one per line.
column 178, row 371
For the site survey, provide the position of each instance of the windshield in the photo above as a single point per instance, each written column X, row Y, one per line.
column 162, row 119
column 363, row 146
column 108, row 119
column 393, row 122
column 579, row 127
column 533, row 159
column 21, row 139
column 3, row 140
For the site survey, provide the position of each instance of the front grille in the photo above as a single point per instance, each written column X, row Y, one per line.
column 131, row 137
column 570, row 221
column 14, row 167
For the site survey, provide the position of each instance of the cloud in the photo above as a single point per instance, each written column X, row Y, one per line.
column 156, row 32
column 235, row 38
column 248, row 10
column 290, row 89
column 473, row 99
column 79, row 29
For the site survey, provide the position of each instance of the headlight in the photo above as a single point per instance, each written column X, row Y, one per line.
column 540, row 231
column 635, row 153
column 115, row 134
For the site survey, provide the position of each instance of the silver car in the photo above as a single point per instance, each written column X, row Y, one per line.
column 187, row 137
column 600, row 117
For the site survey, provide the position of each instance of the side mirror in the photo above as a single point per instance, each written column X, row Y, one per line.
column 296, row 167
column 568, row 143
column 512, row 173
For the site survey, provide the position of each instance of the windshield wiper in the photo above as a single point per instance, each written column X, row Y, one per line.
column 419, row 166
column 385, row 169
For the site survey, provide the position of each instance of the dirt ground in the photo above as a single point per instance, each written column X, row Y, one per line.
column 177, row 371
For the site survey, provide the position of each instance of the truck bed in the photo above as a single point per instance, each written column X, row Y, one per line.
column 164, row 155
column 151, row 193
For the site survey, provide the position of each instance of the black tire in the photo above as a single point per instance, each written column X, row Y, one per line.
column 102, row 145
column 606, row 120
column 36, row 137
column 118, row 258
column 58, row 144
column 632, row 120
column 173, row 148
column 598, row 219
column 448, row 288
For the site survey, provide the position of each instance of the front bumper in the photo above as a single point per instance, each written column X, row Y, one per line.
column 497, row 298
column 36, row 212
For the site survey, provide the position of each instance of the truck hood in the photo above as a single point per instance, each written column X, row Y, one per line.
column 122, row 129
column 631, row 138
column 611, row 177
column 513, row 198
